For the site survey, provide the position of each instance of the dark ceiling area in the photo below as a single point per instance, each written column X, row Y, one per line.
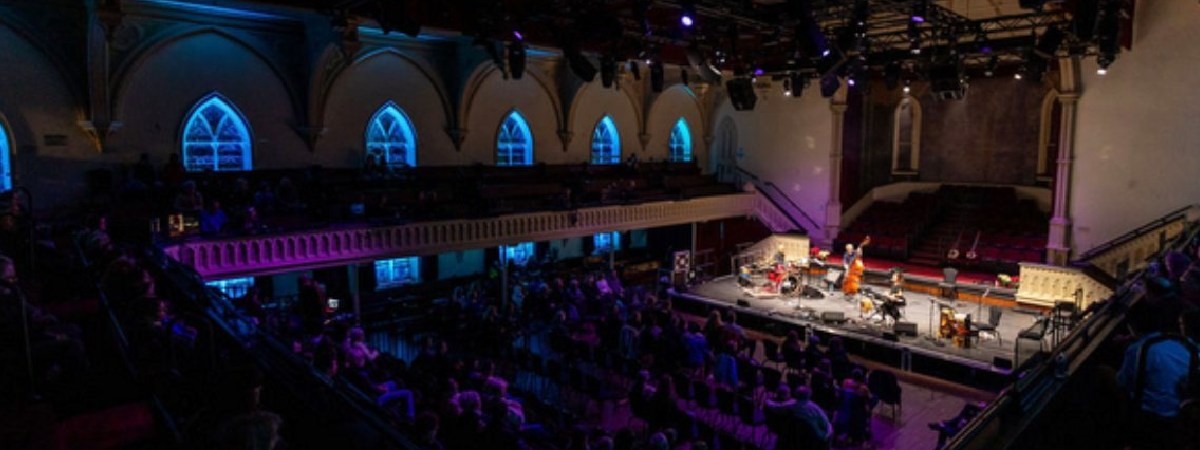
column 850, row 38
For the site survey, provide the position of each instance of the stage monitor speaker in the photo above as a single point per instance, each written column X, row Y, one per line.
column 833, row 317
column 743, row 303
column 812, row 292
column 890, row 336
column 741, row 94
column 946, row 82
column 1002, row 363
column 906, row 329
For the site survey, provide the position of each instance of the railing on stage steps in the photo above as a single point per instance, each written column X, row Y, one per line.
column 1004, row 422
column 1128, row 252
column 768, row 188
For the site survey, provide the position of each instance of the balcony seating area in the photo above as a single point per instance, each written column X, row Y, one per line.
column 893, row 227
column 273, row 200
column 925, row 228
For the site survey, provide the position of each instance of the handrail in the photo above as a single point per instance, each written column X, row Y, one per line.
column 122, row 342
column 760, row 182
column 221, row 311
column 1033, row 392
column 1134, row 234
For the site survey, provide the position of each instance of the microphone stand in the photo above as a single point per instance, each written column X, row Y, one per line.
column 20, row 295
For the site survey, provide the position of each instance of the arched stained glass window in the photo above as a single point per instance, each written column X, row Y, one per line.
column 5, row 162
column 216, row 137
column 906, row 137
column 680, row 145
column 514, row 142
column 606, row 142
column 390, row 137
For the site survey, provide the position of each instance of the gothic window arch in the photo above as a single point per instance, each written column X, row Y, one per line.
column 216, row 136
column 906, row 137
column 680, row 144
column 390, row 137
column 1049, row 131
column 514, row 141
column 606, row 142
column 5, row 157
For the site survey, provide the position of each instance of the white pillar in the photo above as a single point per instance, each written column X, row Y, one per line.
column 833, row 209
column 1058, row 243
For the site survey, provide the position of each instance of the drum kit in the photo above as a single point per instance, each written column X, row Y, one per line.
column 787, row 279
column 877, row 307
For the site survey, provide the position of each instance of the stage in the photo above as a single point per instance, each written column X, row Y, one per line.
column 872, row 336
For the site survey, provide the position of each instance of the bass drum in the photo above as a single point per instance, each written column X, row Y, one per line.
column 790, row 285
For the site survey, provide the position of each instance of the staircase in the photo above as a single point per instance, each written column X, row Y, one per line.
column 930, row 248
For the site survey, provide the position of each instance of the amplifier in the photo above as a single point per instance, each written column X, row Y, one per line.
column 905, row 329
column 833, row 317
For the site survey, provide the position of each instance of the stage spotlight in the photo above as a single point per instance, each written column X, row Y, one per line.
column 608, row 71
column 1049, row 43
column 516, row 59
column 1104, row 61
column 1018, row 75
column 850, row 81
column 907, row 88
column 798, row 84
column 687, row 17
column 920, row 10
column 708, row 72
column 579, row 64
column 829, row 85
column 656, row 75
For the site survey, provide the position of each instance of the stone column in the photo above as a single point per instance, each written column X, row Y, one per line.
column 833, row 209
column 1058, row 244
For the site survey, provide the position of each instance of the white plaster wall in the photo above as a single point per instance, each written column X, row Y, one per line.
column 155, row 96
column 495, row 98
column 675, row 102
column 366, row 86
column 35, row 101
column 1137, row 147
column 787, row 141
column 592, row 103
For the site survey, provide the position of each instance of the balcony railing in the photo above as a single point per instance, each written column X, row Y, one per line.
column 262, row 255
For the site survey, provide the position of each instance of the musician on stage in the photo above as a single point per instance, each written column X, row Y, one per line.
column 895, row 298
column 853, row 264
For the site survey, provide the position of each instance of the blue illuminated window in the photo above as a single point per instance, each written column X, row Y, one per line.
column 5, row 163
column 606, row 143
column 519, row 254
column 603, row 243
column 216, row 137
column 233, row 287
column 681, row 143
column 390, row 137
column 390, row 273
column 514, row 142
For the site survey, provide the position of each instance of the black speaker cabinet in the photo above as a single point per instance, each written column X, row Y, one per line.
column 833, row 317
column 1002, row 363
column 906, row 329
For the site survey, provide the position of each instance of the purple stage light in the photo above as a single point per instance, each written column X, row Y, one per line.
column 517, row 34
column 918, row 19
column 758, row 72
column 686, row 20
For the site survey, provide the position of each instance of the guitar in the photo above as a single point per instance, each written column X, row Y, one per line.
column 953, row 253
column 971, row 255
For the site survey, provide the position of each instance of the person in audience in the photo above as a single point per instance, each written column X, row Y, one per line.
column 817, row 432
column 55, row 348
column 426, row 429
column 358, row 354
column 851, row 421
column 792, row 349
column 287, row 196
column 213, row 218
column 1154, row 367
column 948, row 428
column 696, row 347
column 264, row 198
column 143, row 171
column 189, row 199
column 173, row 171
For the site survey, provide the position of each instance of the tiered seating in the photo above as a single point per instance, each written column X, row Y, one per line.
column 427, row 193
column 892, row 226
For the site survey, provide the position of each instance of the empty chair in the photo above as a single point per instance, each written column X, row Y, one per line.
column 994, row 313
column 884, row 386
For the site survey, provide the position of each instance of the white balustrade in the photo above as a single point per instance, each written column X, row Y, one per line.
column 1134, row 252
column 1044, row 285
column 260, row 255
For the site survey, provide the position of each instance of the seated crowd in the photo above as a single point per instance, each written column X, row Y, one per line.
column 582, row 361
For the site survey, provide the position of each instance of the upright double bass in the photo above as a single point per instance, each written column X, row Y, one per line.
column 854, row 267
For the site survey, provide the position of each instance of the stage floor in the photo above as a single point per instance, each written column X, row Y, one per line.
column 725, row 291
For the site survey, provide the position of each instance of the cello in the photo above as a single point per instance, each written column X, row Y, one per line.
column 854, row 269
